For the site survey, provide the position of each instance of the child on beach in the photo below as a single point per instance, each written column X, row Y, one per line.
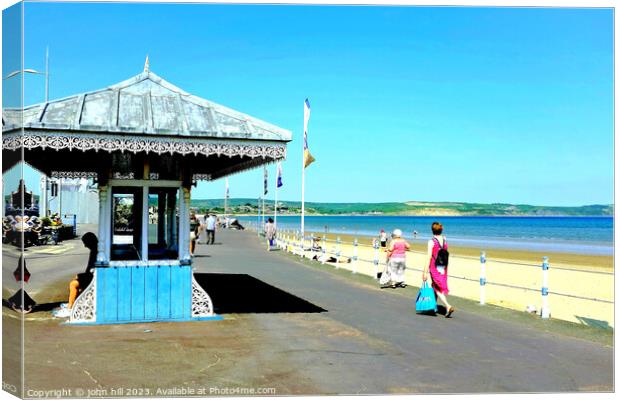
column 437, row 267
column 383, row 238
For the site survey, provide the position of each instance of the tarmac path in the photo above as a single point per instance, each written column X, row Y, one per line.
column 466, row 353
column 295, row 327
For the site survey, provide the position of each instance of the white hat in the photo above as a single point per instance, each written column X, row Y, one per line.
column 397, row 233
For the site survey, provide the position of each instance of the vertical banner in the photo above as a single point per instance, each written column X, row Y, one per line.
column 278, row 185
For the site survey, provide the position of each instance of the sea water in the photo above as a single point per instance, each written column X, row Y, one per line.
column 580, row 235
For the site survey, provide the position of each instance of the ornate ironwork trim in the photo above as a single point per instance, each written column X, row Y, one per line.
column 85, row 307
column 202, row 306
column 137, row 144
column 73, row 174
column 202, row 177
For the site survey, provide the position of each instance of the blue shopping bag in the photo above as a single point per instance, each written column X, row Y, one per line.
column 426, row 302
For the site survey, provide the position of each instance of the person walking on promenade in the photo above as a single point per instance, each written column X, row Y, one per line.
column 210, row 225
column 193, row 237
column 437, row 268
column 396, row 254
column 202, row 225
column 383, row 238
column 270, row 231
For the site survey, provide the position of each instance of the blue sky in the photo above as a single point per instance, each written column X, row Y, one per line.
column 509, row 105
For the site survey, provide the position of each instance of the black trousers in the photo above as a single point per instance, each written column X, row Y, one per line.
column 210, row 236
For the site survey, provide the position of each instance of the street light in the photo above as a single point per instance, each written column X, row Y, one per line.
column 34, row 71
column 27, row 71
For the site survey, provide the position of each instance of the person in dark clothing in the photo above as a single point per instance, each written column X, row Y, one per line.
column 82, row 280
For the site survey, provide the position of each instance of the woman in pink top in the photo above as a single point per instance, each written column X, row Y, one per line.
column 396, row 254
column 438, row 273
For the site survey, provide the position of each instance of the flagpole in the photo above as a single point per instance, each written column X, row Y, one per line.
column 226, row 202
column 303, row 189
column 275, row 206
column 258, row 216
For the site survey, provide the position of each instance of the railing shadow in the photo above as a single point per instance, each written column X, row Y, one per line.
column 597, row 323
column 244, row 294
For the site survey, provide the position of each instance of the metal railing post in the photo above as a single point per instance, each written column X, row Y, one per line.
column 375, row 261
column 544, row 311
column 337, row 252
column 483, row 277
column 354, row 260
column 324, row 250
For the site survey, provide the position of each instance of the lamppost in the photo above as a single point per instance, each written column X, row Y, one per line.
column 34, row 71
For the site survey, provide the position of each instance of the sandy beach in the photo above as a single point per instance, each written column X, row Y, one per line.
column 580, row 286
column 578, row 261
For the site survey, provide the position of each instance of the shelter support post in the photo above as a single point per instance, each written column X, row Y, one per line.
column 184, row 227
column 103, row 226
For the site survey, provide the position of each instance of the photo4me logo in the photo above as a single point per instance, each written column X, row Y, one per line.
column 9, row 387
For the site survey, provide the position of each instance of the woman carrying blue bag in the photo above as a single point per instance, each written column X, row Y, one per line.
column 426, row 303
column 437, row 268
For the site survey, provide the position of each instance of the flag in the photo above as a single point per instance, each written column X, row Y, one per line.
column 227, row 189
column 308, row 159
column 265, row 180
column 279, row 182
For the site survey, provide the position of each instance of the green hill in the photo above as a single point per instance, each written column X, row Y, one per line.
column 249, row 206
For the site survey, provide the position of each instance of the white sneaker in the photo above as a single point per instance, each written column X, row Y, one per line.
column 62, row 313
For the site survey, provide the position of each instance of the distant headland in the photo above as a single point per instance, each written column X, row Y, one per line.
column 415, row 208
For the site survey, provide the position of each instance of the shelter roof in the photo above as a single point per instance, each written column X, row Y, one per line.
column 143, row 105
column 144, row 114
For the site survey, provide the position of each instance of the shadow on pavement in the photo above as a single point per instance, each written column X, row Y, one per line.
column 30, row 305
column 244, row 294
column 597, row 323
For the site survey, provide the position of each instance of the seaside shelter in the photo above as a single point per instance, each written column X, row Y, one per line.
column 146, row 143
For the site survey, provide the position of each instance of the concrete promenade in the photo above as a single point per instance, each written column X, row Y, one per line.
column 299, row 328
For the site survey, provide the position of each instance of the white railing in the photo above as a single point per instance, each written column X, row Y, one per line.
column 492, row 278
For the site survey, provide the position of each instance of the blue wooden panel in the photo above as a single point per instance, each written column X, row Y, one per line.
column 110, row 294
column 99, row 292
column 124, row 294
column 137, row 293
column 150, row 292
column 187, row 292
column 163, row 292
column 178, row 277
